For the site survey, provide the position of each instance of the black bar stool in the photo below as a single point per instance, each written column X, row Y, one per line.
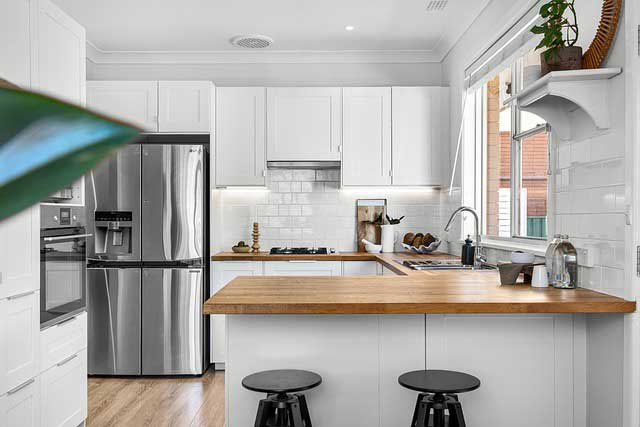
column 280, row 408
column 437, row 391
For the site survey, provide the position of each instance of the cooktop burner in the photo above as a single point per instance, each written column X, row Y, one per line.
column 298, row 251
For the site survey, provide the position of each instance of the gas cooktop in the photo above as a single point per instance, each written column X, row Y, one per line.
column 298, row 251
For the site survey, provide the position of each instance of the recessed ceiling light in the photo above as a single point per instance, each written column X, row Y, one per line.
column 252, row 41
column 349, row 28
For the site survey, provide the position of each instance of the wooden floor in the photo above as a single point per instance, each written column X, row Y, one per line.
column 157, row 401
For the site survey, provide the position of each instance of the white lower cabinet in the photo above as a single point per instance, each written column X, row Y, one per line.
column 20, row 407
column 223, row 272
column 19, row 335
column 63, row 340
column 360, row 268
column 63, row 392
column 303, row 268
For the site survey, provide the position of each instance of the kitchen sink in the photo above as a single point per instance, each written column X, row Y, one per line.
column 444, row 265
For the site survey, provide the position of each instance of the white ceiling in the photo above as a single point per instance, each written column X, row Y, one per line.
column 295, row 25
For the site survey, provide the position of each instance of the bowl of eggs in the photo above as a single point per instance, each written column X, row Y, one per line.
column 420, row 243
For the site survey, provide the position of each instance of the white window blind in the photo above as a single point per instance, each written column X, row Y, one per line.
column 513, row 42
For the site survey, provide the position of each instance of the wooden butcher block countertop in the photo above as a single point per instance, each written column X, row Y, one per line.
column 409, row 292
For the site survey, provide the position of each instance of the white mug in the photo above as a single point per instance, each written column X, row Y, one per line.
column 539, row 278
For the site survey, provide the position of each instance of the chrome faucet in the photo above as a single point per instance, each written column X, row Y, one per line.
column 479, row 258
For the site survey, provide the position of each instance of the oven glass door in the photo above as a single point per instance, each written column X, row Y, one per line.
column 62, row 275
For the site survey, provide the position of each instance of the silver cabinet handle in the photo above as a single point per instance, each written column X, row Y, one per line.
column 69, row 236
column 22, row 295
column 21, row 386
column 65, row 321
column 67, row 360
column 303, row 261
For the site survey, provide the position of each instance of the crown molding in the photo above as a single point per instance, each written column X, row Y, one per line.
column 99, row 56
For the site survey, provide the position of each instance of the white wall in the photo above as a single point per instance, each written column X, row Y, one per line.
column 363, row 74
column 589, row 192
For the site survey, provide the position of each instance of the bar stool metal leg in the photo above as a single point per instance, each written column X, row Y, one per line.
column 456, row 417
column 424, row 409
column 264, row 411
column 304, row 409
column 295, row 415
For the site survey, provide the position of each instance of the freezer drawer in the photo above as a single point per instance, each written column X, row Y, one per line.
column 173, row 197
column 113, row 309
column 172, row 340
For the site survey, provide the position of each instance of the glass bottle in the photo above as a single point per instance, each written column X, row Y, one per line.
column 562, row 263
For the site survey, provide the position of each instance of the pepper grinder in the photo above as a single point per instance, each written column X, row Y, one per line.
column 468, row 252
column 256, row 236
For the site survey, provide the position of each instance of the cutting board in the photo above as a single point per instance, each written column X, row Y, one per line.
column 368, row 210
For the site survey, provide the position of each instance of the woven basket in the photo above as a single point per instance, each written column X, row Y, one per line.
column 599, row 48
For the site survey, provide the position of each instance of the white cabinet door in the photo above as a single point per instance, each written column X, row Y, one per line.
column 19, row 335
column 366, row 136
column 20, row 253
column 63, row 392
column 222, row 272
column 20, row 407
column 135, row 102
column 61, row 54
column 304, row 123
column 303, row 268
column 16, row 28
column 240, row 136
column 419, row 126
column 62, row 340
column 359, row 268
column 184, row 106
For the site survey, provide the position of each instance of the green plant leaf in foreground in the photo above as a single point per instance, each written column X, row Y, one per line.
column 46, row 144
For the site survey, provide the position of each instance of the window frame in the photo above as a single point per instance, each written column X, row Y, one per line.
column 515, row 240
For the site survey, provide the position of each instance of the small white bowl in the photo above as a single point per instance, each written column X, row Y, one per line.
column 522, row 258
column 373, row 249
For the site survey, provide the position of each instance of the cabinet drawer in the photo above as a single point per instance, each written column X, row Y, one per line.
column 62, row 340
column 63, row 392
column 303, row 268
column 19, row 330
column 20, row 407
column 359, row 268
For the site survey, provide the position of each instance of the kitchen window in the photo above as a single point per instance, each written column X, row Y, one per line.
column 512, row 186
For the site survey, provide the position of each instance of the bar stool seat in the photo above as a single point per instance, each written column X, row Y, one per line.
column 438, row 390
column 281, row 408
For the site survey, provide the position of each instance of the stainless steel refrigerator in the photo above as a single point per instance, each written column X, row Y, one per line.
column 147, row 274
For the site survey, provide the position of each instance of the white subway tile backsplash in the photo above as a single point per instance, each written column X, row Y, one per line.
column 307, row 208
column 304, row 175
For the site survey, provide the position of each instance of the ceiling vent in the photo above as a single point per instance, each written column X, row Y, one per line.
column 252, row 41
column 436, row 5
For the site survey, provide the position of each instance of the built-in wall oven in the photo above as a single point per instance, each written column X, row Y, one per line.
column 63, row 259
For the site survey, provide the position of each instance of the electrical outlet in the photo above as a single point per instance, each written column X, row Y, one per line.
column 586, row 257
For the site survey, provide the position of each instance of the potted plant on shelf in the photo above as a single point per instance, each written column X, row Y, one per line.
column 559, row 35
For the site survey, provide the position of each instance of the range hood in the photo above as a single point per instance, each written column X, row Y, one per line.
column 303, row 164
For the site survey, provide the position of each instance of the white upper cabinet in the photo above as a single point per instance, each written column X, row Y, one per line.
column 60, row 53
column 17, row 23
column 240, row 136
column 184, row 106
column 304, row 123
column 135, row 102
column 20, row 253
column 419, row 133
column 366, row 136
column 169, row 107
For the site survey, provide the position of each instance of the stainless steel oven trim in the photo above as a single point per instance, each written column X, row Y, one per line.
column 66, row 236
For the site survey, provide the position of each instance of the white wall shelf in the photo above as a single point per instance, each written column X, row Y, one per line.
column 557, row 94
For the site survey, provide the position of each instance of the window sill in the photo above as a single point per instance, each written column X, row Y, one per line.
column 537, row 248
